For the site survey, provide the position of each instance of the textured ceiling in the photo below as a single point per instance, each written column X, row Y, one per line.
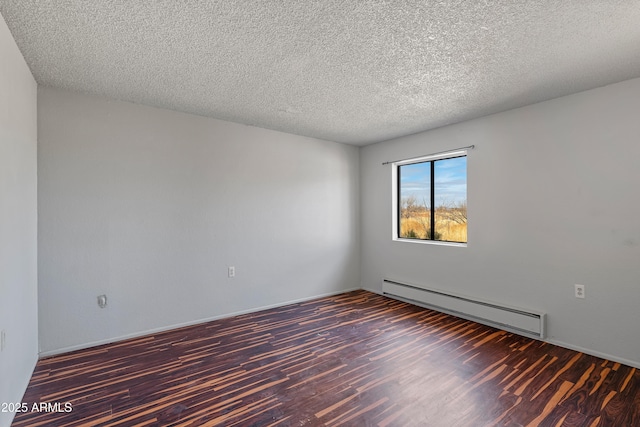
column 348, row 71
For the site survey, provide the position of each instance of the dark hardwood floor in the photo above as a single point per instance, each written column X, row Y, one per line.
column 356, row 359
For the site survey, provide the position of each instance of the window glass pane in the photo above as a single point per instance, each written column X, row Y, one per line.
column 415, row 196
column 451, row 199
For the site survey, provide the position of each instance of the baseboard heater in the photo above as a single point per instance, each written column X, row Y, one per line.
column 517, row 320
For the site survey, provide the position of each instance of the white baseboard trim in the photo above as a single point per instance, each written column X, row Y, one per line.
column 632, row 363
column 63, row 350
column 611, row 357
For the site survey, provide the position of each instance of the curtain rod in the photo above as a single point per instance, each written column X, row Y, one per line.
column 470, row 147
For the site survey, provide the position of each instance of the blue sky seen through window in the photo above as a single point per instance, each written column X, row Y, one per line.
column 415, row 180
column 450, row 181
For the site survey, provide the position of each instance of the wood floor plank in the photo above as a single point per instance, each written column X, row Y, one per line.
column 348, row 360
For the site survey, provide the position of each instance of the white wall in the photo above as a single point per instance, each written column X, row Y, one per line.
column 18, row 222
column 553, row 201
column 150, row 206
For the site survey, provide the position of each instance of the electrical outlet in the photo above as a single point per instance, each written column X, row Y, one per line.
column 102, row 301
column 3, row 340
column 232, row 271
column 579, row 291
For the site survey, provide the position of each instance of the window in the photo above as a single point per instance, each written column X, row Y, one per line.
column 431, row 198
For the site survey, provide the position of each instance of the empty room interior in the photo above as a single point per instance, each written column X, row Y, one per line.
column 289, row 213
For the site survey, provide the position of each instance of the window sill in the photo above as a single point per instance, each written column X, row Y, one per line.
column 430, row 242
